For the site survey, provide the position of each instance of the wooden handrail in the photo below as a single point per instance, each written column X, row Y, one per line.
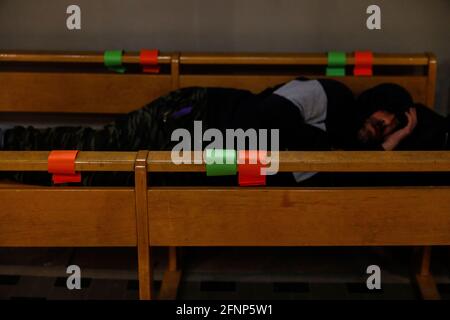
column 328, row 161
column 212, row 58
column 160, row 161
column 86, row 161
column 73, row 57
column 296, row 59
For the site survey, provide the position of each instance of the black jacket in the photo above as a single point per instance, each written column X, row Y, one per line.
column 232, row 109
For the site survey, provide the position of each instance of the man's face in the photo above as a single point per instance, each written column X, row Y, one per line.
column 377, row 127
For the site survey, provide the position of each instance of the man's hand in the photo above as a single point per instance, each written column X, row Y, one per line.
column 391, row 141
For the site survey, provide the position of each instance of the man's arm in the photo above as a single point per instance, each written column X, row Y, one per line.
column 393, row 140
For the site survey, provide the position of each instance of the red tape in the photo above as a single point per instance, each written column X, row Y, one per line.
column 61, row 164
column 149, row 61
column 250, row 163
column 363, row 63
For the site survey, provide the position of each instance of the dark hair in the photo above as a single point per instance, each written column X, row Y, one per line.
column 388, row 97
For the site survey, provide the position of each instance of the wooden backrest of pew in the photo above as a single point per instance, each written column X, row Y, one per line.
column 61, row 82
column 174, row 216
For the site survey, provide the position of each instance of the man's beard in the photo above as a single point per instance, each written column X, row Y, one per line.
column 367, row 140
column 369, row 136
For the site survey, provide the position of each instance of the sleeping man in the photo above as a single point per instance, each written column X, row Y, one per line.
column 309, row 114
column 390, row 120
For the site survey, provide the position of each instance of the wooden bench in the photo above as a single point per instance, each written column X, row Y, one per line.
column 143, row 217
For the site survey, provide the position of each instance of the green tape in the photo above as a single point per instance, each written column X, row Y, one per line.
column 221, row 162
column 335, row 72
column 113, row 61
column 337, row 59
